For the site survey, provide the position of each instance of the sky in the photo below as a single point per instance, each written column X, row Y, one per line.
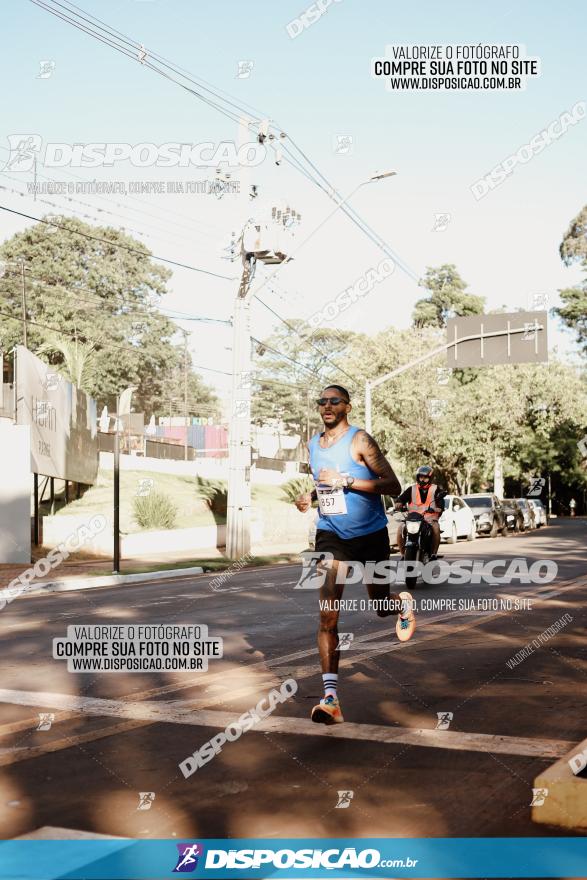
column 318, row 89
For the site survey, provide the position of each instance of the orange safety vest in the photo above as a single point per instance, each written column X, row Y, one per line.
column 417, row 506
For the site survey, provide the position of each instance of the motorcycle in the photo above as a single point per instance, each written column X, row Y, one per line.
column 418, row 544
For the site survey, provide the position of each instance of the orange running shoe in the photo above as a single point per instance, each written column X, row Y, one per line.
column 406, row 621
column 327, row 711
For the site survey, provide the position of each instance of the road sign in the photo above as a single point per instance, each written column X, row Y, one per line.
column 486, row 340
column 536, row 486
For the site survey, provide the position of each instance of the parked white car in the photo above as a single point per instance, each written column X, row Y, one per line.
column 540, row 517
column 457, row 520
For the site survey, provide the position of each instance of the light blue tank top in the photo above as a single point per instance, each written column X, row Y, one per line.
column 365, row 511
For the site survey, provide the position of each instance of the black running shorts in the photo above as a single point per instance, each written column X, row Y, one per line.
column 373, row 547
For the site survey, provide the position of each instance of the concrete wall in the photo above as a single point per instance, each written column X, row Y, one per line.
column 211, row 468
column 148, row 543
column 15, row 493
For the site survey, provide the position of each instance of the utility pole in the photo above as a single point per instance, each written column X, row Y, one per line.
column 116, row 500
column 238, row 520
column 185, row 393
column 123, row 407
column 24, row 334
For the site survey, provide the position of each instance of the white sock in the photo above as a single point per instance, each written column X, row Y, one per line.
column 330, row 680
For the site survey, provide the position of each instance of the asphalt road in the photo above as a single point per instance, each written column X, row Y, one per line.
column 126, row 733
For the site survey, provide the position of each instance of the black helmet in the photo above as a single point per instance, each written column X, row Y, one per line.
column 424, row 472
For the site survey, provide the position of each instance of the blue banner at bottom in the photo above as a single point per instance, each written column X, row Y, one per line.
column 293, row 858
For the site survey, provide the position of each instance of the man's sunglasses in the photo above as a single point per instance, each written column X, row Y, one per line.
column 322, row 401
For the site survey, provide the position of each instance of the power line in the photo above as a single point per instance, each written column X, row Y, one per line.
column 280, row 354
column 134, row 57
column 115, row 244
column 129, row 207
column 61, row 208
column 100, row 343
column 119, row 35
column 293, row 329
column 109, row 34
column 332, row 193
column 135, row 308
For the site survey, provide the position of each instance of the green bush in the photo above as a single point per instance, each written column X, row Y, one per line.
column 154, row 511
column 214, row 493
column 297, row 486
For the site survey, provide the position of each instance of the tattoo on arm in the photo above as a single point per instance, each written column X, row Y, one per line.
column 375, row 460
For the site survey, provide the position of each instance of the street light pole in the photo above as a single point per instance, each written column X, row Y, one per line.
column 370, row 384
column 24, row 330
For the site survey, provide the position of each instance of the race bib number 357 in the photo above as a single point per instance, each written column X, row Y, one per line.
column 331, row 502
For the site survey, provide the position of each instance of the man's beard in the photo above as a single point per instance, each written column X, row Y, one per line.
column 333, row 420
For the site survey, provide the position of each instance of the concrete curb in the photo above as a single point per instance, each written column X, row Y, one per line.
column 113, row 580
column 73, row 583
column 566, row 802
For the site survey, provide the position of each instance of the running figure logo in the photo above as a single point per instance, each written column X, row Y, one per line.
column 23, row 150
column 443, row 375
column 312, row 577
column 530, row 328
column 52, row 381
column 187, row 861
column 539, row 795
column 46, row 719
column 343, row 146
column 537, row 302
column 344, row 800
column 146, row 799
column 441, row 221
column 245, row 68
column 444, row 719
column 47, row 68
column 345, row 641
column 144, row 487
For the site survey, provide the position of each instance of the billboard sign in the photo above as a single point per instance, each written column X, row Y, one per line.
column 63, row 421
column 486, row 340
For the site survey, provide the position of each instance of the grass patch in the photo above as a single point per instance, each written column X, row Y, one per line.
column 192, row 511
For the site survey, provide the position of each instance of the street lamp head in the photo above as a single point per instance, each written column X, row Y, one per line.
column 383, row 174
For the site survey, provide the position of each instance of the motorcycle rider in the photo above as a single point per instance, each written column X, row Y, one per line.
column 423, row 497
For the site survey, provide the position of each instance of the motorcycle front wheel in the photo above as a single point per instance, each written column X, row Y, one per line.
column 412, row 554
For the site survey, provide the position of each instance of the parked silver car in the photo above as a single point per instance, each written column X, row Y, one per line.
column 527, row 512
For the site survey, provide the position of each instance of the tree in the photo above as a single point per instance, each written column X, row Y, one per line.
column 573, row 249
column 202, row 401
column 286, row 385
column 460, row 427
column 97, row 294
column 76, row 361
column 447, row 297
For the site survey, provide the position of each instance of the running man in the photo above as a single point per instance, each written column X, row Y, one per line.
column 351, row 474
